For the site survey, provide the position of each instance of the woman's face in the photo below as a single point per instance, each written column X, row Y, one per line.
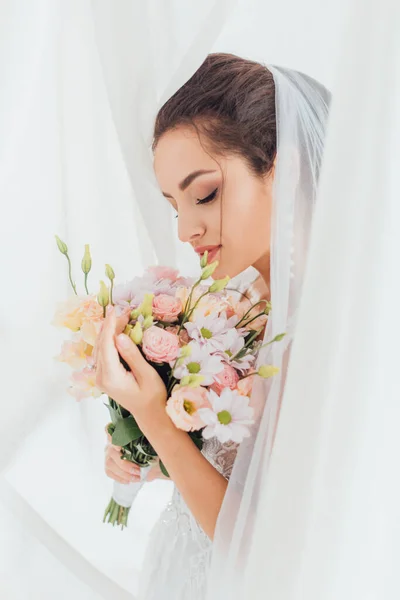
column 238, row 238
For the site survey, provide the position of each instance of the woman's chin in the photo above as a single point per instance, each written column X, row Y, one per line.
column 223, row 270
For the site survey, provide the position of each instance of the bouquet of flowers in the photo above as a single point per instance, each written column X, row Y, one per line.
column 202, row 341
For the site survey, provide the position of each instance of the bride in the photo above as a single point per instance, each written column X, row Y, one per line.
column 237, row 153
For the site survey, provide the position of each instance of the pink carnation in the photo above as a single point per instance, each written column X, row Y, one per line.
column 183, row 405
column 160, row 345
column 166, row 308
column 228, row 378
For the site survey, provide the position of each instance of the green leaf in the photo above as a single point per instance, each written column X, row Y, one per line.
column 114, row 414
column 126, row 431
column 196, row 439
column 111, row 428
column 163, row 469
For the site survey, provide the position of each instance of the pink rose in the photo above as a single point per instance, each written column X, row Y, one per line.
column 228, row 378
column 160, row 345
column 183, row 405
column 161, row 272
column 166, row 308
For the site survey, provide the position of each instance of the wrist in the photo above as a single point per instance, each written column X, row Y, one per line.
column 155, row 424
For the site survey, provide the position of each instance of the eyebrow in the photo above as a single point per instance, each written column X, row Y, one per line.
column 189, row 179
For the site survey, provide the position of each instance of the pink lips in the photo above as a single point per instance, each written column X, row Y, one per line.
column 212, row 252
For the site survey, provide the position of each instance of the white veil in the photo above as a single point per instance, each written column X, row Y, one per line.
column 302, row 106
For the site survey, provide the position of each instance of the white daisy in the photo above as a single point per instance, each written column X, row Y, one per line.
column 228, row 418
column 199, row 362
column 215, row 333
column 233, row 346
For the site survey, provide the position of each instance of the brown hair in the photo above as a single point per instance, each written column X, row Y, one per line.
column 231, row 100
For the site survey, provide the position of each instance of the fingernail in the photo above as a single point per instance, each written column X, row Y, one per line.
column 110, row 309
column 123, row 340
column 133, row 470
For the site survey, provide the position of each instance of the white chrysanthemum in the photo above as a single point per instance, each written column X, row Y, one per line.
column 228, row 418
column 199, row 362
column 214, row 333
column 234, row 345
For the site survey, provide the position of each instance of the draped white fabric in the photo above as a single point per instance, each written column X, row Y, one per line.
column 80, row 84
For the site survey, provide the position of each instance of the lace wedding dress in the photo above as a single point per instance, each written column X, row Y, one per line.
column 179, row 550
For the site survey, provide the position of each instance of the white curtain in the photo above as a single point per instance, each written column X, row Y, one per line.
column 80, row 85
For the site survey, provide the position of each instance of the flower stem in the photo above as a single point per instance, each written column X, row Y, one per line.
column 277, row 338
column 86, row 287
column 253, row 319
column 197, row 302
column 249, row 311
column 70, row 274
column 187, row 305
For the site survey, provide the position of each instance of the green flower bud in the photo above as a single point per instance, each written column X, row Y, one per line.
column 267, row 371
column 87, row 260
column 185, row 352
column 136, row 334
column 135, row 313
column 148, row 322
column 103, row 296
column 192, row 380
column 61, row 246
column 146, row 308
column 209, row 270
column 279, row 337
column 219, row 285
column 128, row 329
column 267, row 308
column 204, row 259
column 110, row 273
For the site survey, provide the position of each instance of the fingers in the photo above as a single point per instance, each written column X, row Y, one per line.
column 123, row 320
column 118, row 469
column 107, row 357
column 140, row 368
column 107, row 350
column 121, row 323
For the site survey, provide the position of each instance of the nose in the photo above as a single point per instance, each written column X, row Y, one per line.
column 190, row 229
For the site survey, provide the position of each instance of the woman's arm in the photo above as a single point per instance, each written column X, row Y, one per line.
column 201, row 485
column 142, row 392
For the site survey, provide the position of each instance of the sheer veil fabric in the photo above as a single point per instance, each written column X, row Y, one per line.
column 318, row 516
column 302, row 110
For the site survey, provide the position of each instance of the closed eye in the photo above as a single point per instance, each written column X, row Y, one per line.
column 206, row 199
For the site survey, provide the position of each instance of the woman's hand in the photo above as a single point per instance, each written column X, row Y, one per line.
column 124, row 471
column 141, row 391
column 116, row 467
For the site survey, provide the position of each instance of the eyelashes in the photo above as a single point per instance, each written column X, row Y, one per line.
column 208, row 198
column 205, row 200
